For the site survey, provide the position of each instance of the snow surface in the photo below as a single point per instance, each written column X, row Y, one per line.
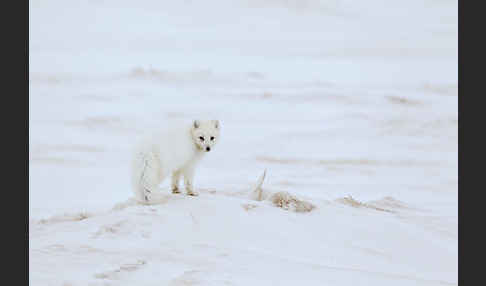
column 349, row 105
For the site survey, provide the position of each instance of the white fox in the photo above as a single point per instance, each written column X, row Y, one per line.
column 173, row 151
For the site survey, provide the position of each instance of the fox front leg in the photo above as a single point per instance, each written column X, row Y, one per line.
column 175, row 182
column 188, row 182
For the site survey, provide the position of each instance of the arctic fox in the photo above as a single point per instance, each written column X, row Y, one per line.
column 173, row 151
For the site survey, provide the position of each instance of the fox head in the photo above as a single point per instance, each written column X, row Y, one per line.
column 205, row 134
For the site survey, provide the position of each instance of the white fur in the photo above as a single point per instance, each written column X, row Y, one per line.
column 173, row 151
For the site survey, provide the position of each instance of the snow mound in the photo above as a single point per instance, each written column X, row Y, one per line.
column 281, row 199
column 287, row 201
column 386, row 204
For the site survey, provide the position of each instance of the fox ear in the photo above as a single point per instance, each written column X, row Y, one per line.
column 216, row 123
column 196, row 124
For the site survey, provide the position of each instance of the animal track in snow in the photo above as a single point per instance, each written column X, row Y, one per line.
column 115, row 274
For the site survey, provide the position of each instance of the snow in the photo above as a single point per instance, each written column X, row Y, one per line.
column 351, row 106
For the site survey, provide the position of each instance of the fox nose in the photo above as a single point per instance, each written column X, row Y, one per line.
column 208, row 149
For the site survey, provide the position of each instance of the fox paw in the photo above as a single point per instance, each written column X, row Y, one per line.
column 192, row 193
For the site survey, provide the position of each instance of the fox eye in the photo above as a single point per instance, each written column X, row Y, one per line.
column 212, row 138
column 201, row 138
